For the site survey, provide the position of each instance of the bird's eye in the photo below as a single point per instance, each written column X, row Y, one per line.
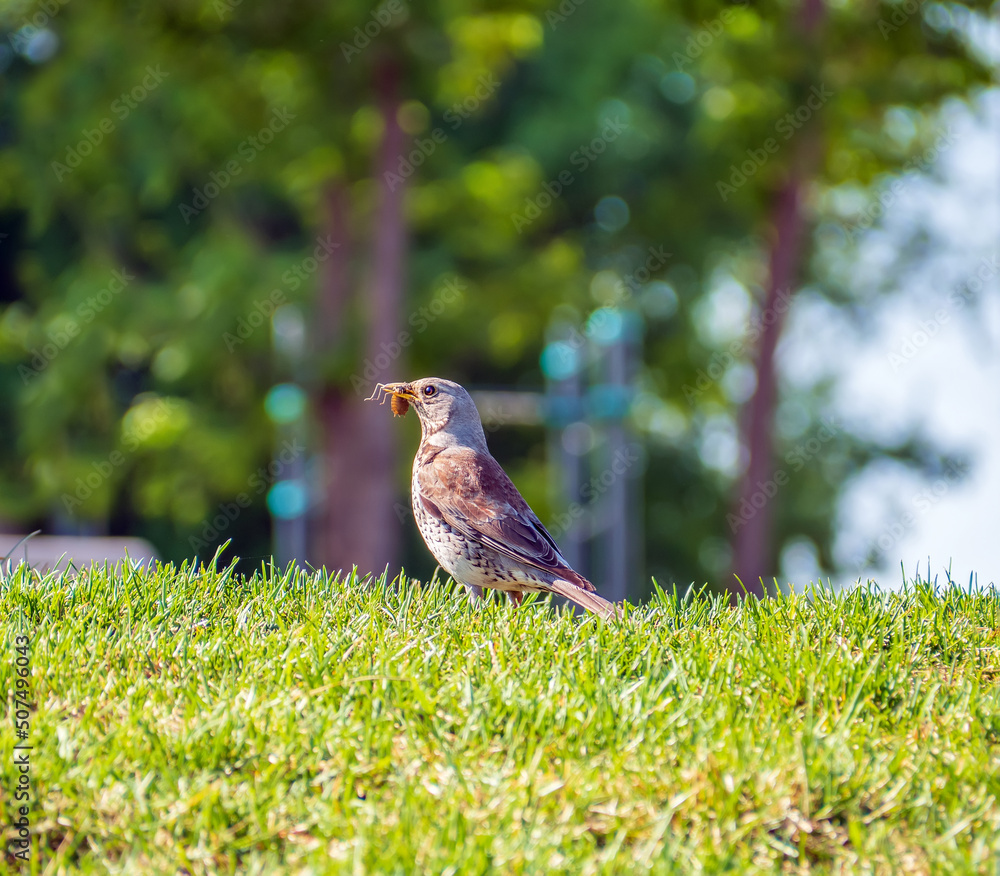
column 430, row 391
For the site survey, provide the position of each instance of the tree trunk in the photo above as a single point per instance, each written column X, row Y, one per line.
column 359, row 526
column 753, row 546
column 333, row 534
column 335, row 276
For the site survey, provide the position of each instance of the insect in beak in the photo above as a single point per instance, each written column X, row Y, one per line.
column 399, row 405
column 399, row 394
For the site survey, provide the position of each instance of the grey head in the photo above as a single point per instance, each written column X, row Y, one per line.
column 448, row 415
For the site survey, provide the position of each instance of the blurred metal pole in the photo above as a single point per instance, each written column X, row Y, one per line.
column 617, row 333
column 616, row 555
column 286, row 405
column 289, row 534
column 562, row 362
column 568, row 394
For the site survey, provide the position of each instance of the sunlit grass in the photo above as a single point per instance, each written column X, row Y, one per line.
column 196, row 720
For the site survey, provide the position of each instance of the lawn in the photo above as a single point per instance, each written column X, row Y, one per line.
column 198, row 721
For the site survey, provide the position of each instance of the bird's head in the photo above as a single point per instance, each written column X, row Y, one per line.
column 448, row 415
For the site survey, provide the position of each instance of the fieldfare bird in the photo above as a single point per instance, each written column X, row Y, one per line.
column 470, row 514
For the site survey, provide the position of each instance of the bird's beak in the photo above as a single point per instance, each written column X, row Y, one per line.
column 400, row 393
column 403, row 389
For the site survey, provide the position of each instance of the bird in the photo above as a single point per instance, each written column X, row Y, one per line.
column 471, row 516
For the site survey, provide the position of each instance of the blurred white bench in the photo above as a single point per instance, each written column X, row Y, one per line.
column 48, row 552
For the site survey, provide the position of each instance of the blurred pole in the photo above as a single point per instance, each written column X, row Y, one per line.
column 633, row 456
column 561, row 362
column 616, row 556
column 286, row 405
column 289, row 534
column 615, row 332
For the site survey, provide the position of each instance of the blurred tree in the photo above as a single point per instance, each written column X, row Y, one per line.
column 835, row 79
column 216, row 164
column 735, row 123
column 174, row 173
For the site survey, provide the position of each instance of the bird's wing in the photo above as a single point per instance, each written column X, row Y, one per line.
column 472, row 493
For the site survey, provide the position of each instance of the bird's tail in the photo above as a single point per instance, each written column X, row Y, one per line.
column 586, row 599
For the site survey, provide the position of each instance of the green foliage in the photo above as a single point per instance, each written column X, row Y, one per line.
column 191, row 154
column 139, row 148
column 197, row 719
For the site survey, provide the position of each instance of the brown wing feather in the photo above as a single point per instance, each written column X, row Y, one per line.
column 472, row 493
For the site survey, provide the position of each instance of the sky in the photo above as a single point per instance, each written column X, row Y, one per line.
column 919, row 355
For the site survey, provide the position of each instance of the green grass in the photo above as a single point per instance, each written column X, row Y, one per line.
column 202, row 722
